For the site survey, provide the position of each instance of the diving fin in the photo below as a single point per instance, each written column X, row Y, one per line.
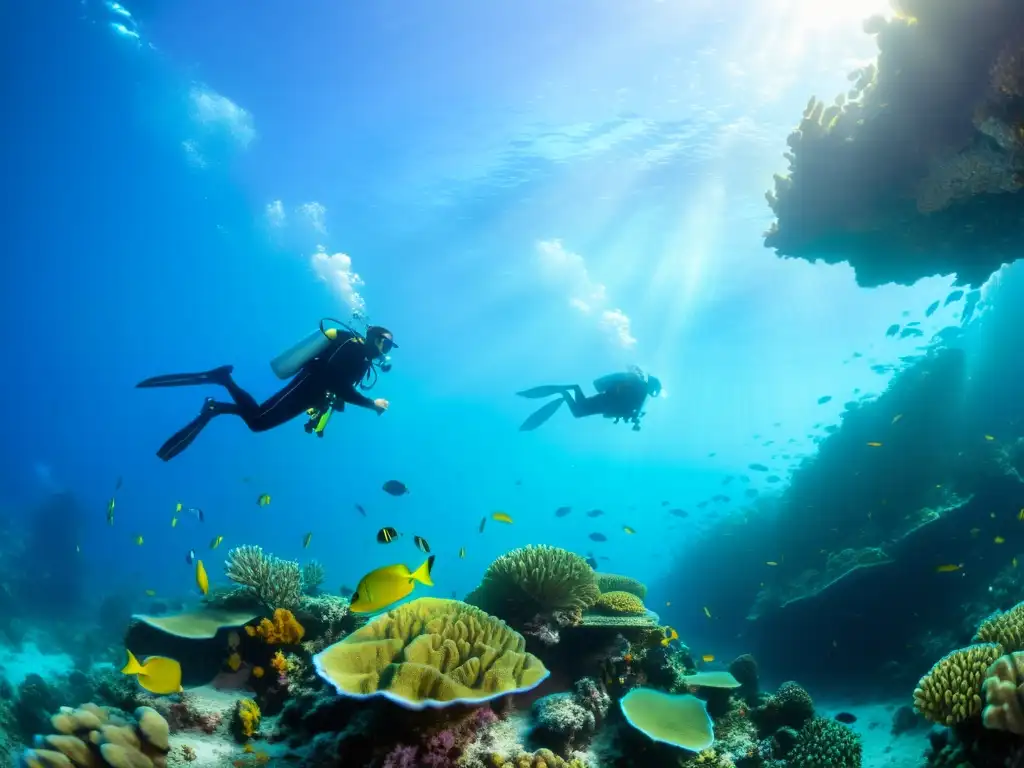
column 183, row 438
column 219, row 375
column 541, row 415
column 545, row 391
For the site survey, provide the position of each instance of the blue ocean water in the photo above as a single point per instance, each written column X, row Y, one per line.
column 524, row 194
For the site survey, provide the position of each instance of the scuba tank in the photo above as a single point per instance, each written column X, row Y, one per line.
column 288, row 363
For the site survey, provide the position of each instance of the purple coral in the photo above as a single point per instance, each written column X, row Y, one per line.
column 443, row 748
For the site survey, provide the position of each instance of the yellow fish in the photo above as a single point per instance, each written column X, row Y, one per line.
column 138, row 539
column 158, row 674
column 110, row 511
column 874, row 444
column 308, row 538
column 669, row 635
column 234, row 661
column 628, row 530
column 707, row 658
column 462, row 553
column 1020, row 515
column 897, row 417
column 174, row 522
column 502, row 517
column 216, row 542
column 1014, row 562
column 202, row 580
column 989, row 437
column 771, row 562
column 177, row 509
column 384, row 586
column 150, row 593
column 948, row 568
column 263, row 499
column 999, row 540
column 707, row 612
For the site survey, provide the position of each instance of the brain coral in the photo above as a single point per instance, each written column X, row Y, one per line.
column 1004, row 628
column 619, row 604
column 824, row 743
column 431, row 653
column 951, row 690
column 534, row 580
column 613, row 582
column 90, row 737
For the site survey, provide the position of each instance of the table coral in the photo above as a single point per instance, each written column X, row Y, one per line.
column 431, row 652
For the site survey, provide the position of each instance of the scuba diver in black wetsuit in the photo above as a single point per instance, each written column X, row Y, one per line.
column 620, row 396
column 324, row 368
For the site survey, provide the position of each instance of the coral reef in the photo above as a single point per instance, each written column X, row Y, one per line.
column 789, row 707
column 619, row 604
column 274, row 582
column 1002, row 687
column 91, row 736
column 923, row 170
column 676, row 719
column 313, row 575
column 283, row 629
column 950, row 692
column 824, row 743
column 431, row 652
column 536, row 581
column 744, row 669
column 613, row 582
column 1004, row 628
column 246, row 719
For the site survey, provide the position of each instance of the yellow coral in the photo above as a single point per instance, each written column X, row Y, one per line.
column 619, row 604
column 248, row 713
column 431, row 652
column 279, row 663
column 951, row 691
column 1004, row 628
column 613, row 582
column 88, row 736
column 283, row 630
column 1003, row 710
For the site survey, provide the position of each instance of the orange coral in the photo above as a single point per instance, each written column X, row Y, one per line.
column 283, row 630
column 280, row 663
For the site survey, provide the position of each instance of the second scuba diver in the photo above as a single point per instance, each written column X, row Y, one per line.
column 325, row 368
column 620, row 396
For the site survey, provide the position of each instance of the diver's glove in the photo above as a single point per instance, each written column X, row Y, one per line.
column 380, row 405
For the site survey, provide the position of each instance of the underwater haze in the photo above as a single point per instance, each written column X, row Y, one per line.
column 523, row 194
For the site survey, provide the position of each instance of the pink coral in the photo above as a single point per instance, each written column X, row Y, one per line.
column 444, row 748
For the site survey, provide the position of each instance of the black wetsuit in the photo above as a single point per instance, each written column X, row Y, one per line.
column 329, row 378
column 619, row 396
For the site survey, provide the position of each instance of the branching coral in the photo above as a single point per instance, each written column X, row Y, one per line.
column 276, row 583
column 90, row 737
column 313, row 575
column 536, row 580
column 951, row 690
column 431, row 652
column 824, row 743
